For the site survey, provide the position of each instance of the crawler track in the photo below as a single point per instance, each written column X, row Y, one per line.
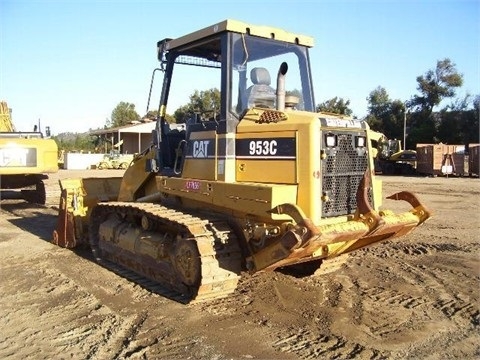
column 190, row 257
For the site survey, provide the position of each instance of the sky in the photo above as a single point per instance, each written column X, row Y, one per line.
column 68, row 64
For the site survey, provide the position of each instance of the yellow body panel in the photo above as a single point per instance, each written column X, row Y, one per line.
column 19, row 155
column 305, row 127
column 198, row 165
column 248, row 198
column 282, row 171
column 24, row 153
column 135, row 179
column 279, row 171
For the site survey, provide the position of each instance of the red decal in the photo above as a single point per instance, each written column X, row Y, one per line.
column 192, row 185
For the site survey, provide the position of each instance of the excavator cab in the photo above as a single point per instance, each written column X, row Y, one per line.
column 390, row 157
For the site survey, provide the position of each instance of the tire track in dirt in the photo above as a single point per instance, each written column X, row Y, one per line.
column 435, row 301
column 392, row 307
column 310, row 345
column 393, row 248
column 443, row 294
column 134, row 335
column 75, row 317
column 338, row 306
column 127, row 338
column 119, row 339
column 64, row 315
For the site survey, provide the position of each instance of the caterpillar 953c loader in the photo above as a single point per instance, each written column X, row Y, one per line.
column 260, row 183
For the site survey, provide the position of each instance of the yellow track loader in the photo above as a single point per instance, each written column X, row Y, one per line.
column 258, row 183
column 25, row 160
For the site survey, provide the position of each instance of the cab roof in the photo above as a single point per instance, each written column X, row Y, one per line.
column 242, row 28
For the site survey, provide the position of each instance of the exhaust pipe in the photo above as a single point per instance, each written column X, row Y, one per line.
column 281, row 86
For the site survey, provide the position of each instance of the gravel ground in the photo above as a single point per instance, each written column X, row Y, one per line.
column 413, row 298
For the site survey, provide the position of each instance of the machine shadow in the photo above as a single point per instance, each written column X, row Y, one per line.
column 31, row 218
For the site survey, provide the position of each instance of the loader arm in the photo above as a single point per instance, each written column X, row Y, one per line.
column 136, row 176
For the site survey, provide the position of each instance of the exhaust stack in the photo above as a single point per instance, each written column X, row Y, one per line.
column 281, row 86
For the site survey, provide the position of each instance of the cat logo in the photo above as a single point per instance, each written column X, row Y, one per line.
column 200, row 149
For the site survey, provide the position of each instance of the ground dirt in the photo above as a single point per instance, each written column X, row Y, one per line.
column 413, row 298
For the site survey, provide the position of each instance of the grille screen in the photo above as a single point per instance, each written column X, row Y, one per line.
column 342, row 171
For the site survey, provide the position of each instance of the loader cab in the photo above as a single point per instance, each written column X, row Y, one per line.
column 211, row 78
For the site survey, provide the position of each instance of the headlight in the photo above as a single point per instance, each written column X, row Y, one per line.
column 360, row 141
column 330, row 140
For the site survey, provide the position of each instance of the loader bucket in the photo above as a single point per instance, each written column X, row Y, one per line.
column 78, row 197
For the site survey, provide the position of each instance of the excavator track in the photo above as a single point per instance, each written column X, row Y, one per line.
column 189, row 257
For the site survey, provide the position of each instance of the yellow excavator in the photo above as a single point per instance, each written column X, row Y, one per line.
column 262, row 183
column 26, row 159
column 390, row 158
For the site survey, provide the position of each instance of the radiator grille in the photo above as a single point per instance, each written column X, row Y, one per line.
column 342, row 171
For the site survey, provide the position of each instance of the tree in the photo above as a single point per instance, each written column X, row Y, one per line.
column 385, row 115
column 378, row 105
column 152, row 115
column 205, row 103
column 459, row 104
column 422, row 130
column 435, row 86
column 74, row 142
column 378, row 102
column 335, row 105
column 476, row 104
column 458, row 123
column 123, row 114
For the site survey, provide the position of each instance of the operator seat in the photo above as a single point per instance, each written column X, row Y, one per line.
column 260, row 94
